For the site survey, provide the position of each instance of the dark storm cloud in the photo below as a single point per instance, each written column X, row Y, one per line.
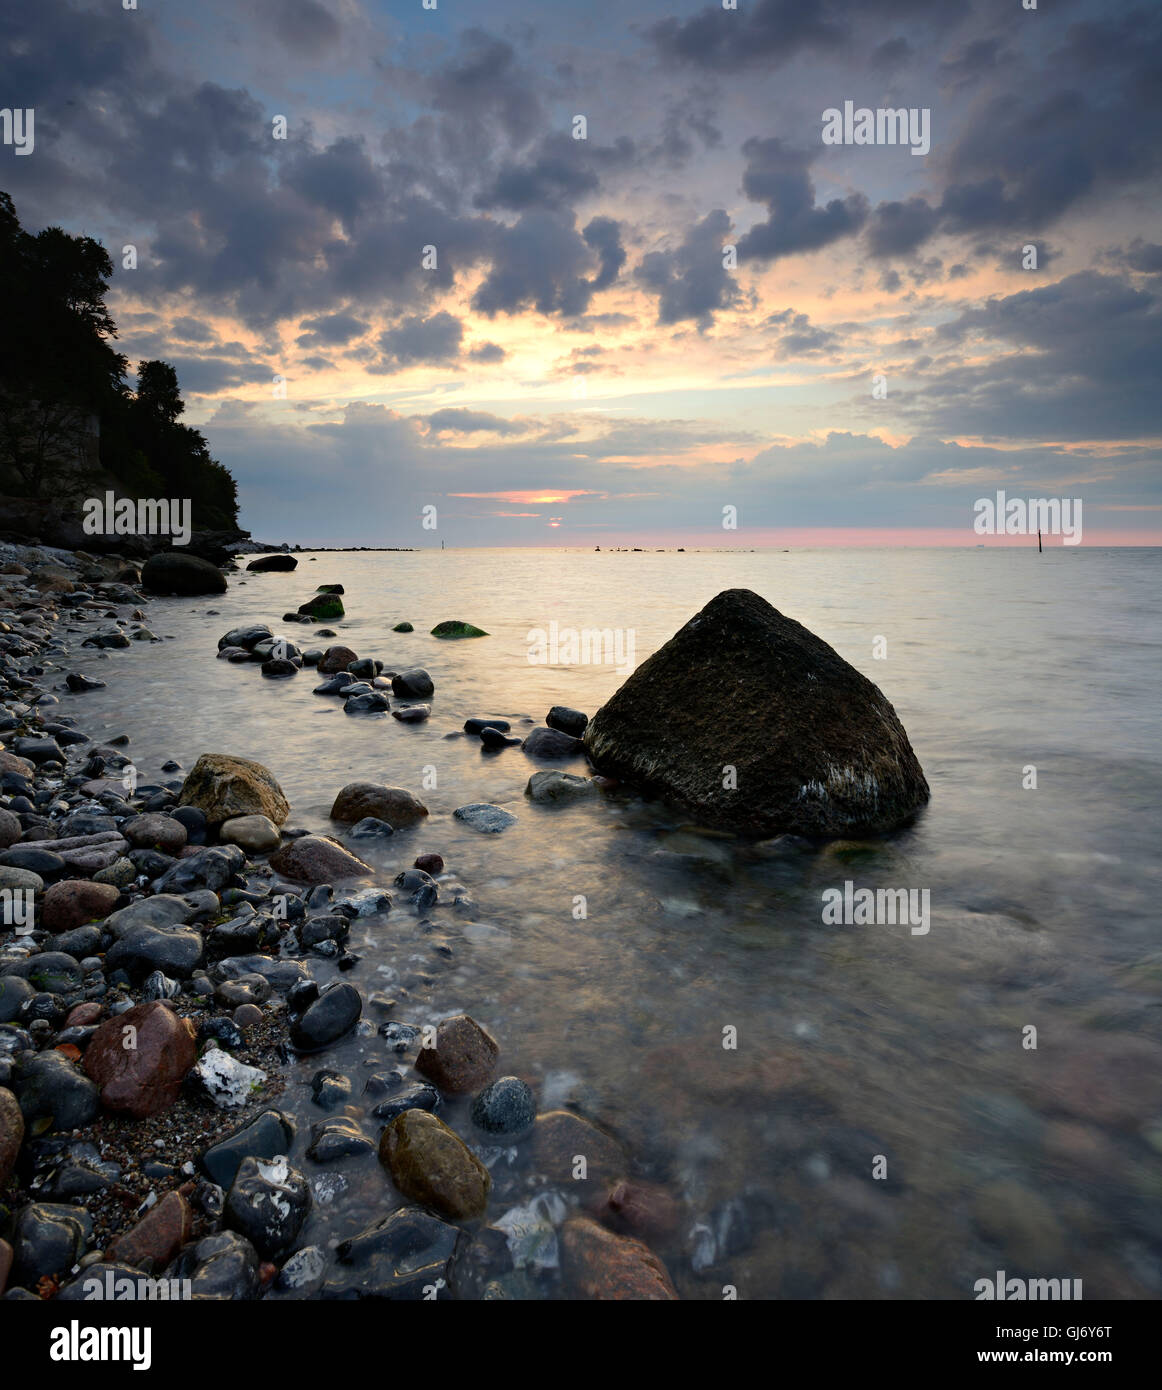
column 340, row 179
column 417, row 339
column 767, row 32
column 558, row 172
column 779, row 177
column 1034, row 150
column 1142, row 256
column 458, row 421
column 487, row 352
column 304, row 26
column 798, row 336
column 1083, row 362
column 542, row 261
column 331, row 330
column 484, row 81
column 691, row 282
column 897, row 229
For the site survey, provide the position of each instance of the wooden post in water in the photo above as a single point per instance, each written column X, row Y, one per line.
column 1039, row 551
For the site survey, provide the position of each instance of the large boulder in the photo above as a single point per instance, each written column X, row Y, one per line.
column 174, row 573
column 140, row 1058
column 752, row 724
column 222, row 787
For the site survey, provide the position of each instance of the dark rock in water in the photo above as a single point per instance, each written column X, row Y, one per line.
column 222, row 1267
column 266, row 564
column 333, row 685
column 463, row 1058
column 493, row 738
column 210, row 868
column 419, row 887
column 323, row 607
column 366, row 668
column 48, row 1240
column 403, row 627
column 245, row 637
column 411, row 714
column 413, row 684
column 508, row 1106
column 334, row 1013
column 278, row 668
column 370, row 828
column 399, row 1257
column 77, row 682
column 359, row 800
column 815, row 747
column 488, row 819
column 266, row 1136
column 429, row 863
column 330, row 1089
column 315, row 859
column 332, row 1140
column 267, row 1203
column 303, row 1274
column 454, row 628
column 418, row 1096
column 330, row 589
column 552, row 743
column 432, row 1165
column 172, row 573
column 569, row 721
column 475, row 726
column 284, row 976
column 370, row 703
column 336, row 659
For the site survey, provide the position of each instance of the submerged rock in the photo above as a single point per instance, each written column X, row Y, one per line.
column 452, row 627
column 598, row 1264
column 433, row 1166
column 751, row 723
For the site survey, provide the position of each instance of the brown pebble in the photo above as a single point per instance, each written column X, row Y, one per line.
column 247, row 1015
column 430, row 863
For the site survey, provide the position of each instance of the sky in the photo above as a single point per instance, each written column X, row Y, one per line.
column 700, row 324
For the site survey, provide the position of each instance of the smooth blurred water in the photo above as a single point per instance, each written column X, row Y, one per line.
column 853, row 1042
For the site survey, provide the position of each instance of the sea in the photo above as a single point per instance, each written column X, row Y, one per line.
column 838, row 1111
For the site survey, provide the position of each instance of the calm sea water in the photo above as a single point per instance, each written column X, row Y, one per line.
column 860, row 1050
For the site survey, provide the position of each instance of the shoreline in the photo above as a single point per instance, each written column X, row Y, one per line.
column 145, row 906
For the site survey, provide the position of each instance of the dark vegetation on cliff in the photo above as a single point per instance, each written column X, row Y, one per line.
column 70, row 426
